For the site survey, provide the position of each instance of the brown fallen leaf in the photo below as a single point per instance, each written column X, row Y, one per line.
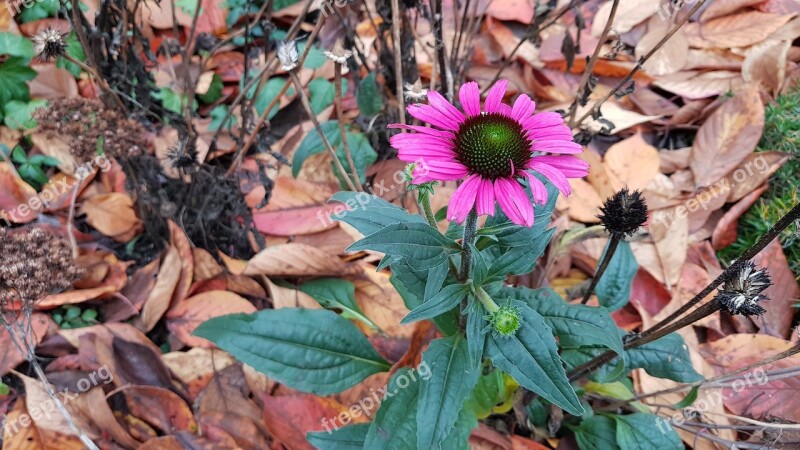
column 735, row 30
column 158, row 301
column 721, row 8
column 584, row 203
column 288, row 418
column 631, row 163
column 766, row 63
column 23, row 438
column 671, row 57
column 190, row 313
column 11, row 357
column 159, row 407
column 629, row 14
column 53, row 82
column 181, row 243
column 726, row 231
column 783, row 293
column 296, row 260
column 113, row 215
column 696, row 85
column 727, row 137
column 753, row 172
column 14, row 196
column 196, row 367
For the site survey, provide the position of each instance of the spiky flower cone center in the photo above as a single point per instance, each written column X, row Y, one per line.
column 492, row 145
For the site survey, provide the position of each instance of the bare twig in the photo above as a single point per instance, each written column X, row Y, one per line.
column 340, row 115
column 398, row 60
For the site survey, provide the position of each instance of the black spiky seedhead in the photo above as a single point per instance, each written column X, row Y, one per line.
column 49, row 44
column 182, row 156
column 741, row 291
column 623, row 213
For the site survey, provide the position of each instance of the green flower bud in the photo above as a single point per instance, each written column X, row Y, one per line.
column 506, row 320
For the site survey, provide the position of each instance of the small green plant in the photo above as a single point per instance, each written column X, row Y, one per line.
column 73, row 317
column 31, row 169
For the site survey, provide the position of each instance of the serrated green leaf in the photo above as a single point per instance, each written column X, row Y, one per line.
column 312, row 144
column 419, row 244
column 41, row 9
column 443, row 394
column 488, row 393
column 369, row 214
column 174, row 102
column 641, row 431
column 519, row 260
column 598, row 432
column 614, row 288
column 447, row 299
column 321, row 93
column 16, row 45
column 14, row 73
column 395, row 423
column 575, row 325
column 19, row 114
column 458, row 439
column 314, row 351
column 350, row 437
column 417, row 286
column 508, row 234
column 75, row 50
column 667, row 357
column 268, row 93
column 368, row 97
column 531, row 357
column 334, row 293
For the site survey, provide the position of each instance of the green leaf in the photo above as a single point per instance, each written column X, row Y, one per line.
column 314, row 351
column 268, row 93
column 519, row 260
column 614, row 288
column 174, row 102
column 575, row 325
column 13, row 76
column 442, row 396
column 508, row 234
column 363, row 156
column 447, row 299
column 615, row 390
column 643, row 431
column 218, row 114
column 18, row 155
column 488, row 393
column 667, row 357
column 321, row 94
column 369, row 214
column 419, row 244
column 368, row 97
column 458, row 439
column 40, row 9
column 531, row 357
column 418, row 286
column 44, row 160
column 75, row 50
column 334, row 293
column 312, row 144
column 16, row 45
column 689, row 399
column 189, row 6
column 316, row 58
column 214, row 91
column 476, row 338
column 350, row 437
column 395, row 424
column 598, row 432
column 19, row 115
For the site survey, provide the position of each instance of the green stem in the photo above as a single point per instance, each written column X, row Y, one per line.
column 425, row 206
column 470, row 231
column 486, row 301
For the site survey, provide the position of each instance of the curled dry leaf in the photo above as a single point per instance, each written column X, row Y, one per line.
column 721, row 8
column 15, row 193
column 160, row 297
column 11, row 355
column 751, row 173
column 584, row 203
column 727, row 137
column 671, row 57
column 159, row 407
column 112, row 215
column 696, row 85
column 736, row 30
column 783, row 293
column 629, row 14
column 766, row 65
column 190, row 313
column 726, row 230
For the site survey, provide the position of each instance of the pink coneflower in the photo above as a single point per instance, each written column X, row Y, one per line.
column 491, row 150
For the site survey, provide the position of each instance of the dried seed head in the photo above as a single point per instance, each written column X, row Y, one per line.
column 287, row 55
column 415, row 91
column 182, row 156
column 36, row 263
column 338, row 53
column 623, row 213
column 49, row 43
column 741, row 291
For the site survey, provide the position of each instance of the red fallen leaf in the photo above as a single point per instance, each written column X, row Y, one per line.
column 114, row 281
column 288, row 418
column 190, row 313
column 212, row 18
column 649, row 293
column 759, row 397
column 182, row 441
column 777, row 321
column 627, row 318
column 779, row 6
column 521, row 443
column 30, row 29
column 53, row 82
column 242, row 430
column 725, row 233
column 159, row 407
column 484, row 437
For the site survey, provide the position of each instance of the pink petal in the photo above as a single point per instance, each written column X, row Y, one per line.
column 570, row 166
column 470, row 97
column 514, row 201
column 538, row 188
column 495, row 97
column 463, row 199
column 485, row 200
column 523, row 108
column 413, row 154
column 504, row 109
column 438, row 170
column 433, row 116
column 557, row 146
column 544, row 119
column 424, row 130
column 441, row 104
column 551, row 132
column 554, row 175
column 420, row 139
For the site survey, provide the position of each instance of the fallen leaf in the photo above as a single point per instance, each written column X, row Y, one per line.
column 726, row 231
column 288, row 418
column 783, row 293
column 584, row 203
column 721, row 8
column 766, row 64
column 15, row 195
column 629, row 14
column 735, row 30
column 727, row 137
column 159, row 407
column 112, row 214
column 11, row 357
column 158, row 301
column 295, row 260
column 697, row 85
column 631, row 163
column 671, row 57
column 190, row 313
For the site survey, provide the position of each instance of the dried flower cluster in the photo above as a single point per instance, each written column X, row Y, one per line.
column 90, row 128
column 741, row 291
column 624, row 213
column 36, row 263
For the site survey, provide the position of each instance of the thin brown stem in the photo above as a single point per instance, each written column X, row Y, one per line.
column 398, row 60
column 73, row 243
column 340, row 115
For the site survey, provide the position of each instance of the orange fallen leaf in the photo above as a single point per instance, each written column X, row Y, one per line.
column 295, row 260
column 190, row 313
column 113, row 215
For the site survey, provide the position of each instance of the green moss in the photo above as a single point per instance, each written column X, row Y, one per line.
column 781, row 132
